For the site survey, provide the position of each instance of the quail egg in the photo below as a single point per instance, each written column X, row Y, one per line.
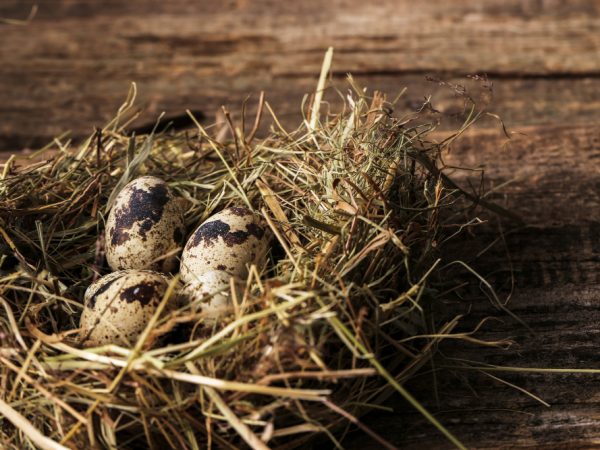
column 118, row 306
column 229, row 241
column 210, row 293
column 144, row 225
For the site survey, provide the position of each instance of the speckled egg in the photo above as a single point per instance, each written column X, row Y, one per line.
column 210, row 293
column 229, row 241
column 118, row 306
column 145, row 224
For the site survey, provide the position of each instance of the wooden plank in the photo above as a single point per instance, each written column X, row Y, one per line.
column 519, row 102
column 70, row 68
column 280, row 38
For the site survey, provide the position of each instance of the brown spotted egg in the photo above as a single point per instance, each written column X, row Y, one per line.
column 118, row 306
column 144, row 225
column 210, row 294
column 229, row 241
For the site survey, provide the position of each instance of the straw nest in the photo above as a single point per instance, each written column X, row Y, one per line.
column 361, row 211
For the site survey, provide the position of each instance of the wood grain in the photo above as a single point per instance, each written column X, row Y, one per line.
column 70, row 68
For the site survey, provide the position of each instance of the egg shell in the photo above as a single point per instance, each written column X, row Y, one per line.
column 145, row 223
column 118, row 306
column 228, row 241
column 210, row 293
column 99, row 283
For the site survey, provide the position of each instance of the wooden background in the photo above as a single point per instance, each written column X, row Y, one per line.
column 70, row 68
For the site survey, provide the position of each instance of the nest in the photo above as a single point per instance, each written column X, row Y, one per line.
column 346, row 311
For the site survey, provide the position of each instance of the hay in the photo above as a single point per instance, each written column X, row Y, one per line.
column 341, row 318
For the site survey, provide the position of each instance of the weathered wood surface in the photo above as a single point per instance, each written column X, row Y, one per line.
column 71, row 67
